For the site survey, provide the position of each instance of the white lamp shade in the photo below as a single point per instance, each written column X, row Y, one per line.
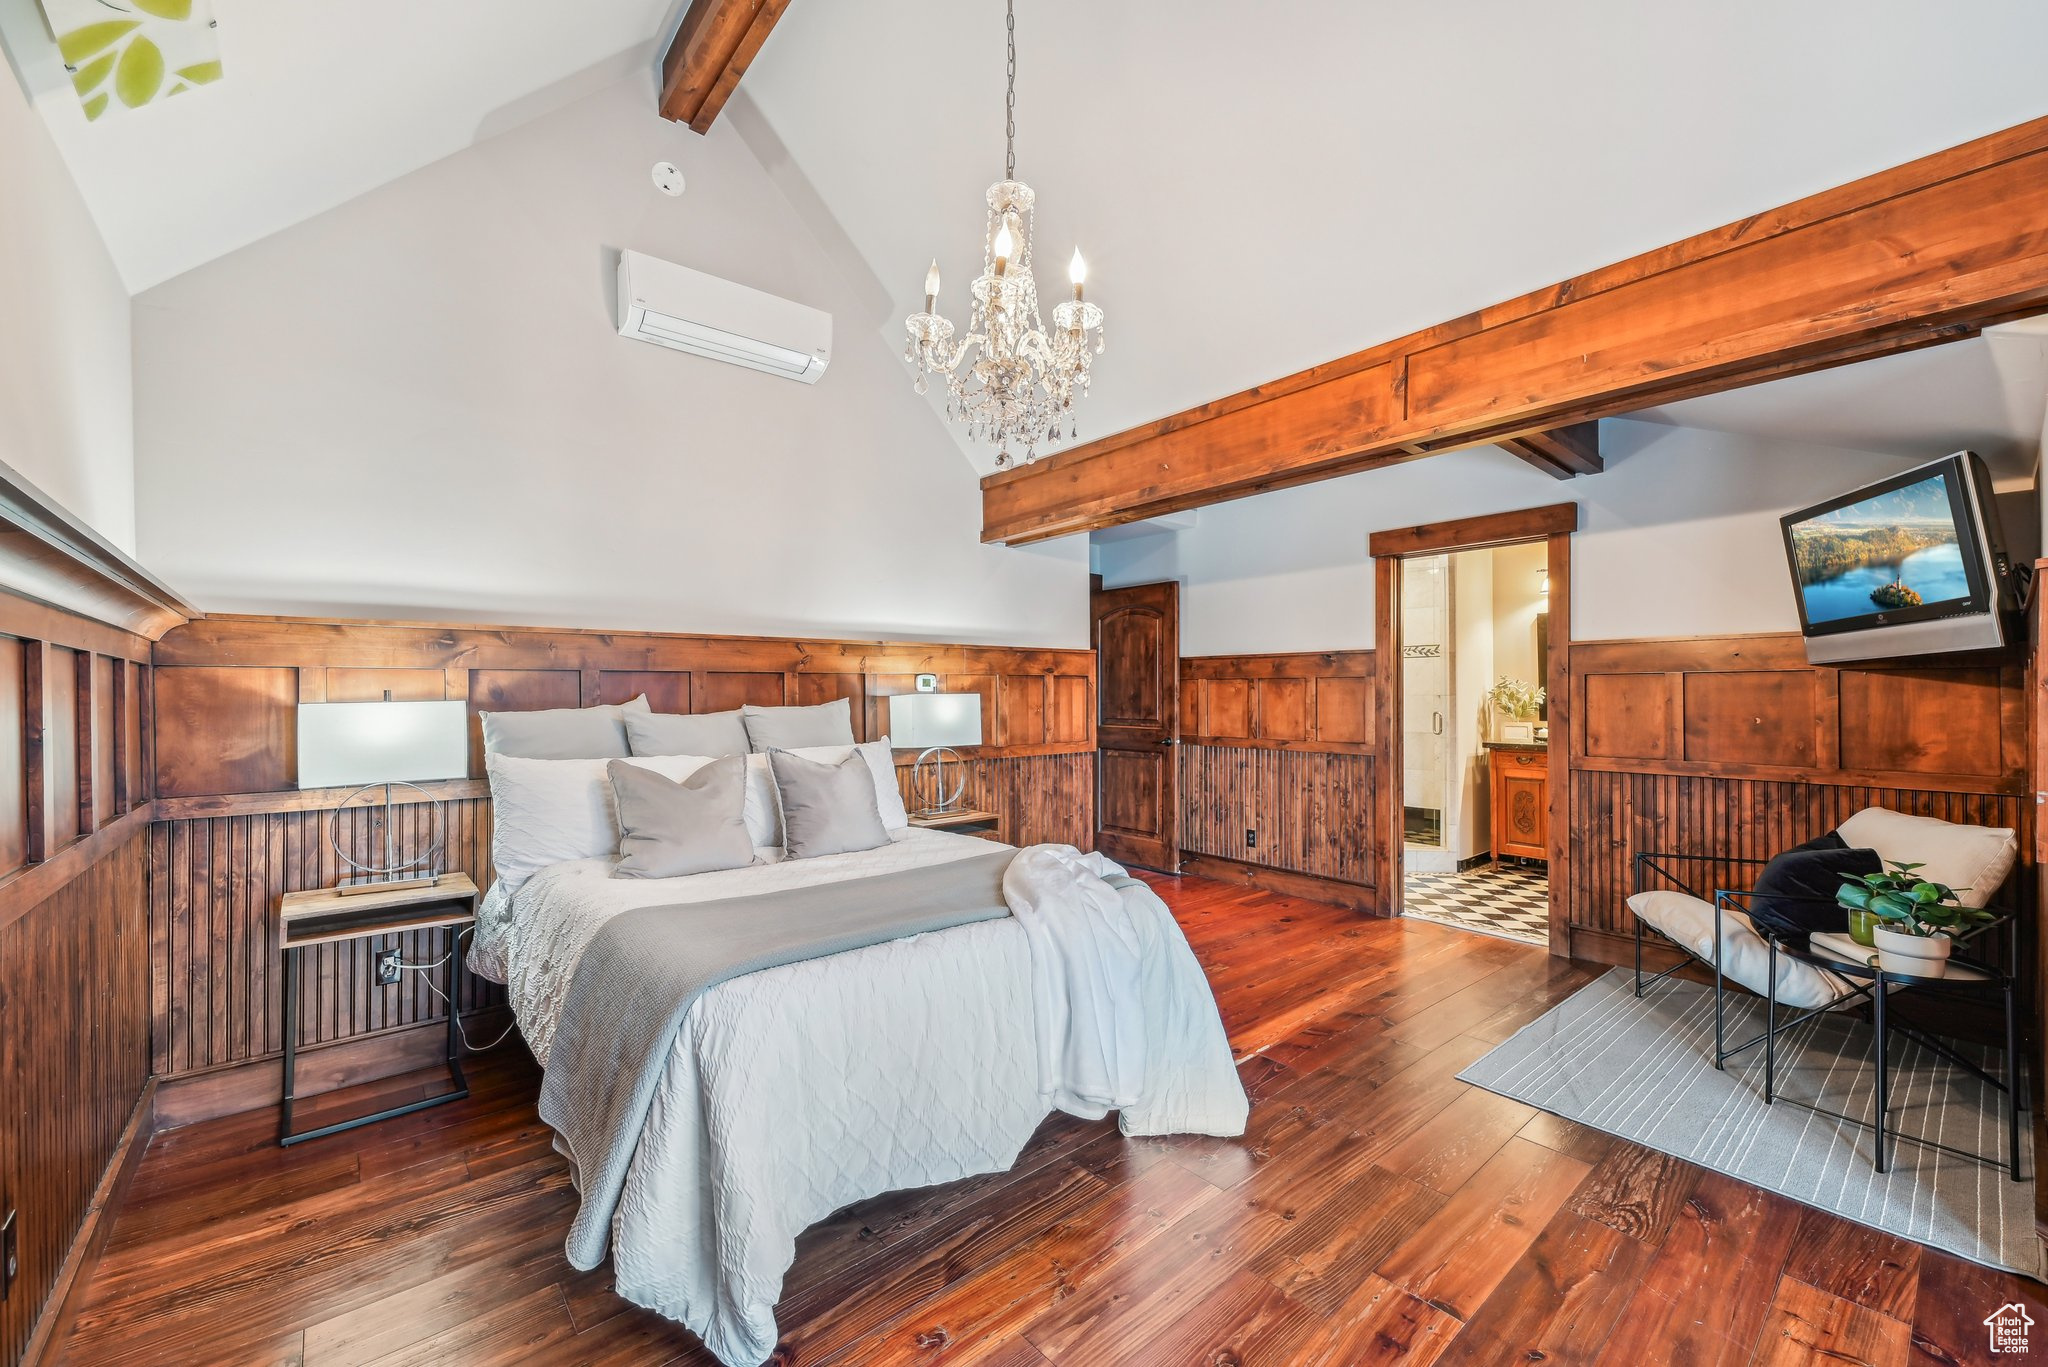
column 348, row 744
column 918, row 721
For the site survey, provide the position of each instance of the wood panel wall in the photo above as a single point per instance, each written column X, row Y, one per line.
column 74, row 1022
column 1277, row 768
column 1738, row 746
column 234, row 833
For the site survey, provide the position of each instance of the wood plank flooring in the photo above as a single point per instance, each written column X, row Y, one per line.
column 1377, row 1211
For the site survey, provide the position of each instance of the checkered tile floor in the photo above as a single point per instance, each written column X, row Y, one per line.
column 1508, row 900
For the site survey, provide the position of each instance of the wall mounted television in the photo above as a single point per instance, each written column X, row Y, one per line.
column 1910, row 565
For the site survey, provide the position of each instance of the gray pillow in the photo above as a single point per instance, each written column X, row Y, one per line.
column 827, row 808
column 670, row 733
column 561, row 732
column 798, row 728
column 671, row 830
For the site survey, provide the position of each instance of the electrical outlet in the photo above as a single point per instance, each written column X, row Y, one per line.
column 1251, row 838
column 10, row 1256
column 387, row 968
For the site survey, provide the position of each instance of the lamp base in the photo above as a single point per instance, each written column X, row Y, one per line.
column 928, row 781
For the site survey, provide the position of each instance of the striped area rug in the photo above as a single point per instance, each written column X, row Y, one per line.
column 1644, row 1070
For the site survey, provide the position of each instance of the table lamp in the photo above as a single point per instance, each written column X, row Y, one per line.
column 366, row 745
column 933, row 723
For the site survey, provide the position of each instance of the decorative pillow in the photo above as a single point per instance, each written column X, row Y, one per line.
column 546, row 811
column 797, row 728
column 1809, row 877
column 1744, row 955
column 561, row 732
column 1974, row 860
column 699, row 733
column 881, row 761
column 671, row 829
column 826, row 808
column 764, row 819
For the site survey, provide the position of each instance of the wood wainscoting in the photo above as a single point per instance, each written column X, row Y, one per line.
column 1277, row 772
column 234, row 833
column 74, row 964
column 1737, row 746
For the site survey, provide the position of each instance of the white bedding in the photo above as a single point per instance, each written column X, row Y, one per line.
column 793, row 1092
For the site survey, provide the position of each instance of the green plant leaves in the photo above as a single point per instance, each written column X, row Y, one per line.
column 141, row 73
column 82, row 43
column 200, row 73
column 96, row 106
column 176, row 10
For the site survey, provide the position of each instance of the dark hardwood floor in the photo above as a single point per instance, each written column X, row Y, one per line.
column 1377, row 1211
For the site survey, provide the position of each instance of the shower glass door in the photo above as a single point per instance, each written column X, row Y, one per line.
column 1425, row 697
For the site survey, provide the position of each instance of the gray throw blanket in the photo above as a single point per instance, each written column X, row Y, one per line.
column 644, row 968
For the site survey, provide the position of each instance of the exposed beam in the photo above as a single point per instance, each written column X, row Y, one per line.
column 1921, row 253
column 717, row 41
column 1562, row 453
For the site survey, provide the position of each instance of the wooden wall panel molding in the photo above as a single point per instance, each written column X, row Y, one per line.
column 1321, row 701
column 1737, row 746
column 74, row 1056
column 227, row 688
column 1305, row 812
column 1925, row 252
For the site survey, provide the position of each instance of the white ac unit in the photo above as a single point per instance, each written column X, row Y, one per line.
column 674, row 306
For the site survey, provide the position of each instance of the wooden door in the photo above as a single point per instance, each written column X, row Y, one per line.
column 1137, row 769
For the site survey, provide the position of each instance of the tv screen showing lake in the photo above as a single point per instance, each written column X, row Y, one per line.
column 1896, row 550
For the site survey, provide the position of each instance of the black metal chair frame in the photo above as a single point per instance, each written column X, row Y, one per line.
column 1869, row 987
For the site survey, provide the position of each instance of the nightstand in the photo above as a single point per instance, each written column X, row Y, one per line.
column 325, row 916
column 964, row 822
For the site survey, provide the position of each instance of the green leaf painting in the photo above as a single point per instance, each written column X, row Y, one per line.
column 141, row 73
column 165, row 48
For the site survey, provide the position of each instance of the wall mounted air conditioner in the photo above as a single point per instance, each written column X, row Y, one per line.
column 674, row 306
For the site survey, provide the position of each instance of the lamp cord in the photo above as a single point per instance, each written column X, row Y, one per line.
column 435, row 988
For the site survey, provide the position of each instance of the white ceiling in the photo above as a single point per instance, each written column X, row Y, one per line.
column 1262, row 188
column 1984, row 395
column 321, row 101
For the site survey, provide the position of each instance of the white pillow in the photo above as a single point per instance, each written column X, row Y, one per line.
column 763, row 813
column 1744, row 955
column 881, row 764
column 561, row 732
column 1974, row 860
column 546, row 811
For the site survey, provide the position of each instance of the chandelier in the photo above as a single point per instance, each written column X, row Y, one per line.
column 1011, row 380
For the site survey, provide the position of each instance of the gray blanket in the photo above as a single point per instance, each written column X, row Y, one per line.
column 642, row 971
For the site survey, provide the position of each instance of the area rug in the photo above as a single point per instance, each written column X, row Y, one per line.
column 1643, row 1069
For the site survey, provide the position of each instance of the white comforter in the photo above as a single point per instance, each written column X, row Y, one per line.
column 794, row 1092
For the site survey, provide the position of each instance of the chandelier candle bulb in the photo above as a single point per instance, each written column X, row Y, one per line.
column 931, row 288
column 1077, row 271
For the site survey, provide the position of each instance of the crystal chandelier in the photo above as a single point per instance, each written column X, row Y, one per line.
column 1011, row 380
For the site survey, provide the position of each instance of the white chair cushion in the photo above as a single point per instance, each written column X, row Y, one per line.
column 1744, row 955
column 1974, row 860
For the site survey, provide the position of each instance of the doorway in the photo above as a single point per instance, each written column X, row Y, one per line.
column 1137, row 724
column 1473, row 727
column 1472, row 619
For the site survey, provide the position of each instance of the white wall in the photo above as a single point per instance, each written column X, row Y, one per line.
column 1678, row 537
column 1518, row 599
column 417, row 405
column 66, row 416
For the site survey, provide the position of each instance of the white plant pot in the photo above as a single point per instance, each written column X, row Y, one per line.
column 1923, row 956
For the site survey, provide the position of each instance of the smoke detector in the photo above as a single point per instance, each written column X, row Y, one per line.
column 667, row 178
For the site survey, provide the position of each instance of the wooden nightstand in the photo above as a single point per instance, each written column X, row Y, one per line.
column 983, row 824
column 323, row 916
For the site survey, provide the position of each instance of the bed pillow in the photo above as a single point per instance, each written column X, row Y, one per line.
column 881, row 761
column 561, row 732
column 763, row 817
column 798, row 728
column 826, row 808
column 672, row 828
column 697, row 733
column 546, row 811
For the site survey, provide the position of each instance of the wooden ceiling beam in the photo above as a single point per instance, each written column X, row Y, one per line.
column 1562, row 453
column 717, row 41
column 1922, row 253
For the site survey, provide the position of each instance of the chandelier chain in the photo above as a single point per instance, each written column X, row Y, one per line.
column 1010, row 102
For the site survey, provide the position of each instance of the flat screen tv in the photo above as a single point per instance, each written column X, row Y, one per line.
column 1911, row 565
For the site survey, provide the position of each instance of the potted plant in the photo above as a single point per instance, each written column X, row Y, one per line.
column 1518, row 700
column 1916, row 920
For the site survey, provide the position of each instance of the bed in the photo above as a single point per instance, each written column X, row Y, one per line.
column 791, row 1092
